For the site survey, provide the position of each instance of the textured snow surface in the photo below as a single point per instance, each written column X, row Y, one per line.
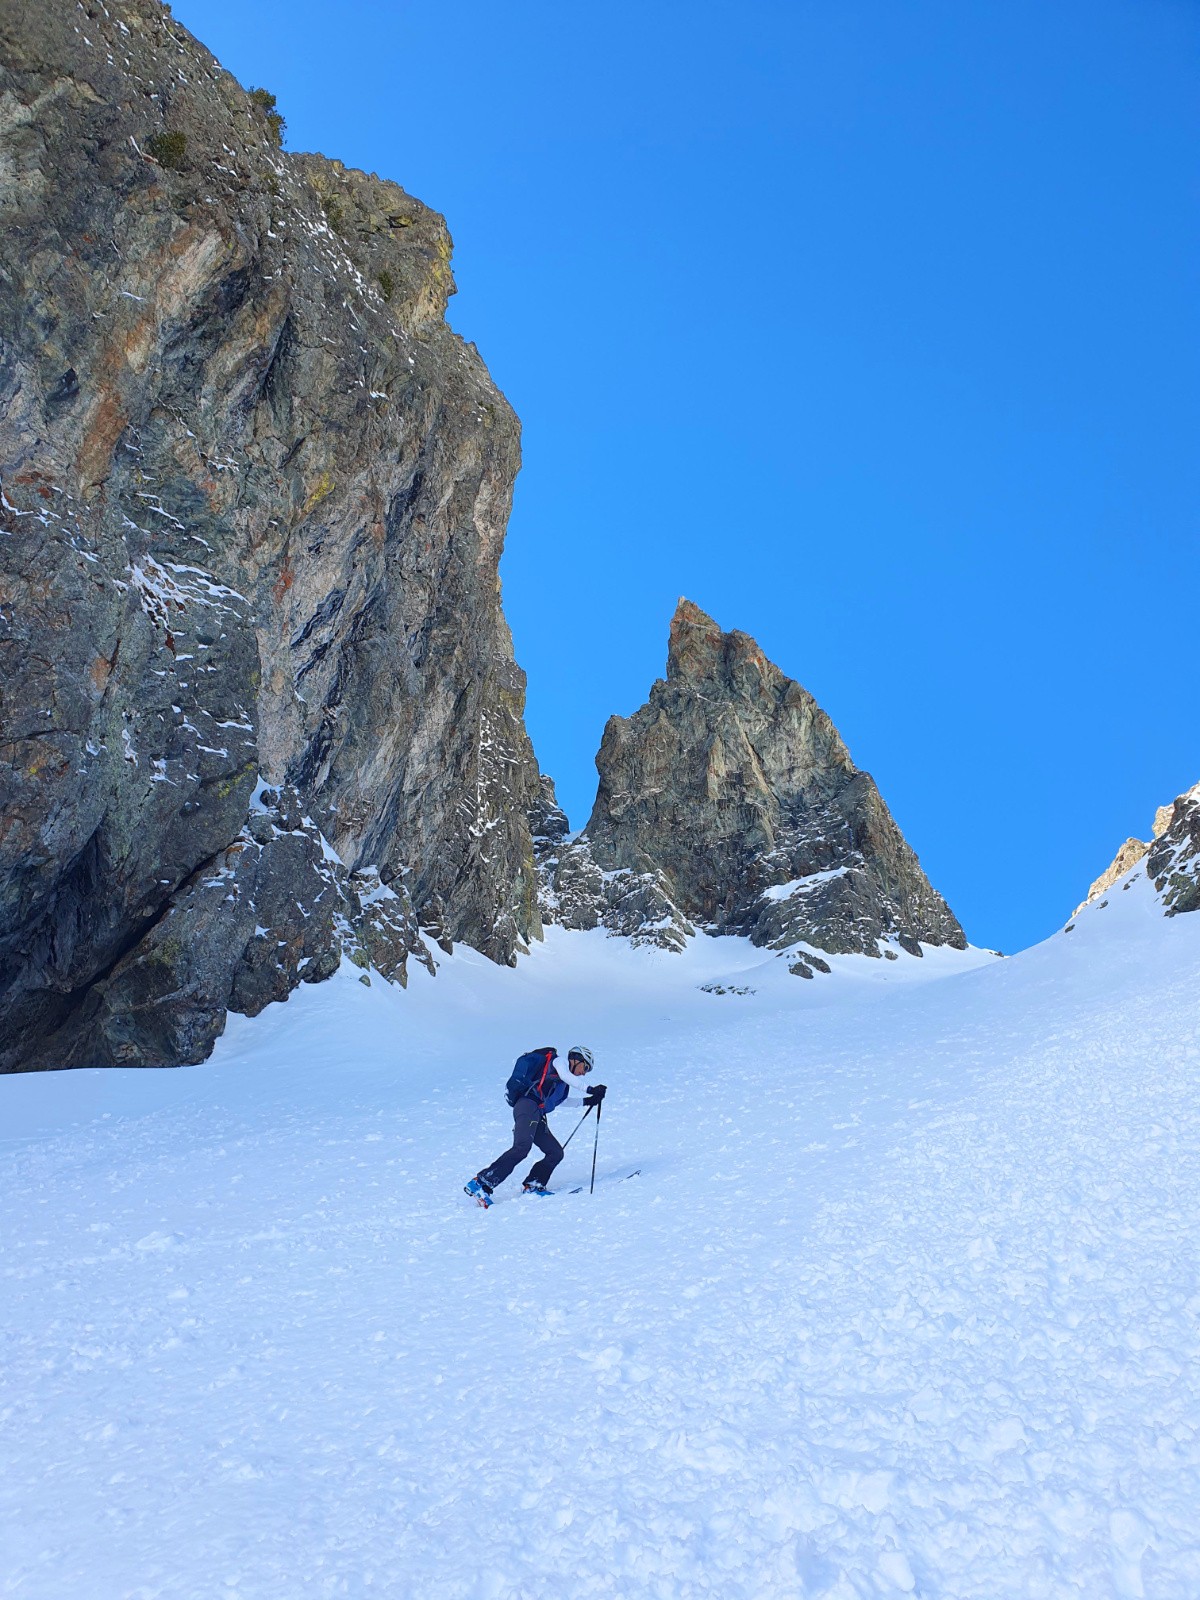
column 904, row 1301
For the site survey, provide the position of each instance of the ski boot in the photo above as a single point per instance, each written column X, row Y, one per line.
column 535, row 1188
column 479, row 1192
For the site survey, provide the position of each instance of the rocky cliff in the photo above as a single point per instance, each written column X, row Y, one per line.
column 729, row 801
column 1170, row 858
column 258, row 703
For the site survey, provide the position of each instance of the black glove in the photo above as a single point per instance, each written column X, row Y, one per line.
column 594, row 1095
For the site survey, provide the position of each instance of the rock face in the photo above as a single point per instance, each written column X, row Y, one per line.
column 1170, row 857
column 732, row 803
column 1173, row 860
column 254, row 494
column 575, row 892
column 1126, row 858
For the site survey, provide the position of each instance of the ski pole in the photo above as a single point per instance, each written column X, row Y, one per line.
column 578, row 1125
column 595, row 1147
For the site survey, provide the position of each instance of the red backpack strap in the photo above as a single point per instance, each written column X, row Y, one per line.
column 550, row 1055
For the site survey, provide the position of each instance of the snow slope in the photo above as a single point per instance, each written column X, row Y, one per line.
column 904, row 1301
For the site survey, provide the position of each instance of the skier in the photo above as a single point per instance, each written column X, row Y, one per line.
column 533, row 1091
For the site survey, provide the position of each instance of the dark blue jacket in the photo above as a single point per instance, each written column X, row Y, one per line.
column 534, row 1078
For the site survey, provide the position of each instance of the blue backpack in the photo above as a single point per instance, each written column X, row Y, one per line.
column 533, row 1075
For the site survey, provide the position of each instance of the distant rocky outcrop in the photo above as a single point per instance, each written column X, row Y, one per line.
column 730, row 802
column 253, row 495
column 1170, row 858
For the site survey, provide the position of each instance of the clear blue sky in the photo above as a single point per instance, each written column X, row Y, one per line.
column 871, row 327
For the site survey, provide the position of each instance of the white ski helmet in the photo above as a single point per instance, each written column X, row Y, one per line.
column 582, row 1053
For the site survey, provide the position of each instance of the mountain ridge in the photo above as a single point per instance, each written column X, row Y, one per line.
column 1170, row 859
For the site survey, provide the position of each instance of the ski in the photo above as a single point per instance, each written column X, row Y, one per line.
column 623, row 1179
column 477, row 1192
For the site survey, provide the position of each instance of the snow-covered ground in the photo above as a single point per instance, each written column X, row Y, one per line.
column 905, row 1299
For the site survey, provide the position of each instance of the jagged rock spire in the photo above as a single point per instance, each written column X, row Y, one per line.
column 734, row 792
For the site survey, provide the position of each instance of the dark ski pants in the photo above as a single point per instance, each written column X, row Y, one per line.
column 529, row 1128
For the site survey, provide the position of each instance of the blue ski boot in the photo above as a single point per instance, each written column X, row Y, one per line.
column 479, row 1192
column 535, row 1188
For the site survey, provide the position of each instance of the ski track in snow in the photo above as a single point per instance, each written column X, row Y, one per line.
column 904, row 1301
